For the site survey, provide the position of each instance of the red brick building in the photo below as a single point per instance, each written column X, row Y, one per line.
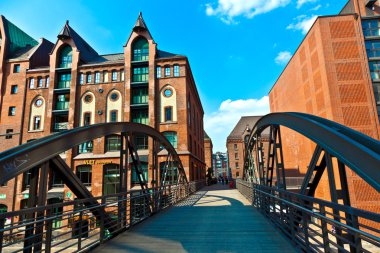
column 50, row 87
column 334, row 74
column 208, row 152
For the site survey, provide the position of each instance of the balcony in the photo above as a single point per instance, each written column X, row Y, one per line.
column 61, row 126
column 63, row 85
column 62, row 106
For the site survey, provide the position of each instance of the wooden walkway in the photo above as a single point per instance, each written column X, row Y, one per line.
column 215, row 219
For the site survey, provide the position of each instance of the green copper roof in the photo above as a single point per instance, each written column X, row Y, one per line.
column 18, row 39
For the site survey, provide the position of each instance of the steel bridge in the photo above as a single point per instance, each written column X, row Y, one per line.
column 293, row 220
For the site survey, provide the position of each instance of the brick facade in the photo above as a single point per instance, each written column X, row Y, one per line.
column 63, row 90
column 329, row 76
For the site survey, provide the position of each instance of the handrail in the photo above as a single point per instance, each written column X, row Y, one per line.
column 15, row 161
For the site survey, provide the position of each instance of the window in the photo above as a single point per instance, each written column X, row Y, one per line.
column 140, row 95
column 84, row 173
column 371, row 27
column 37, row 123
column 113, row 116
column 235, row 146
column 12, row 111
column 14, row 89
column 236, row 156
column 81, row 78
column 176, row 70
column 87, row 119
column 64, row 81
column 168, row 92
column 47, row 82
column 113, row 143
column 167, row 71
column 114, row 75
column 373, row 48
column 171, row 172
column 8, row 133
column 3, row 208
column 172, row 138
column 237, row 165
column 140, row 50
column 111, row 182
column 31, row 83
column 374, row 67
column 86, row 147
column 26, row 179
column 237, row 173
column 140, row 116
column 88, row 98
column 168, row 113
column 56, row 180
column 158, row 74
column 114, row 96
column 16, row 68
column 66, row 57
column 89, row 78
column 140, row 74
column 39, row 82
column 141, row 141
column 134, row 178
column 122, row 75
column 97, row 77
column 105, row 76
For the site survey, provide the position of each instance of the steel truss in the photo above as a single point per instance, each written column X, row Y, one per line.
column 337, row 147
column 42, row 155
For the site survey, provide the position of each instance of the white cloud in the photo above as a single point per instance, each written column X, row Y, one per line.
column 227, row 10
column 302, row 23
column 283, row 57
column 316, row 7
column 302, row 2
column 219, row 124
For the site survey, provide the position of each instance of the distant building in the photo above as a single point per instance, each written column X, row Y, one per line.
column 236, row 144
column 220, row 161
column 208, row 152
column 335, row 74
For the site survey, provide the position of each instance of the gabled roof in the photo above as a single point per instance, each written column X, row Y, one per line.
column 18, row 42
column 163, row 54
column 241, row 126
column 206, row 137
column 87, row 53
column 140, row 24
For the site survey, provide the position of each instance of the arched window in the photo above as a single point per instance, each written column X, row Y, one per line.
column 66, row 57
column 84, row 173
column 140, row 50
column 172, row 138
column 3, row 208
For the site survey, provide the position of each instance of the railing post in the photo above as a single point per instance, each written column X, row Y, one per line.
column 49, row 230
column 80, row 230
column 325, row 233
column 102, row 221
column 2, row 223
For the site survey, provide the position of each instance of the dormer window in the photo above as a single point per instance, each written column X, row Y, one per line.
column 65, row 58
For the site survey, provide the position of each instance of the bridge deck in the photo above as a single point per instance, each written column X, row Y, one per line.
column 215, row 219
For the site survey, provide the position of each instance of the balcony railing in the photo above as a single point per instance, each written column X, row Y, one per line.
column 62, row 105
column 62, row 126
column 64, row 85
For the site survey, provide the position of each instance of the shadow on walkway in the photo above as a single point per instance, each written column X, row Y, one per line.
column 215, row 219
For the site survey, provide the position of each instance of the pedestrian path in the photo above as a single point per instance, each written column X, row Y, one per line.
column 215, row 219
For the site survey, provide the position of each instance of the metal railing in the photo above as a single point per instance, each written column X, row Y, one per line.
column 315, row 225
column 72, row 227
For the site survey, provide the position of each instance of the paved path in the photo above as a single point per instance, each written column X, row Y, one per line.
column 215, row 219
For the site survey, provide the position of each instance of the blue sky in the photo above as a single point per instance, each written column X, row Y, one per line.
column 236, row 48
